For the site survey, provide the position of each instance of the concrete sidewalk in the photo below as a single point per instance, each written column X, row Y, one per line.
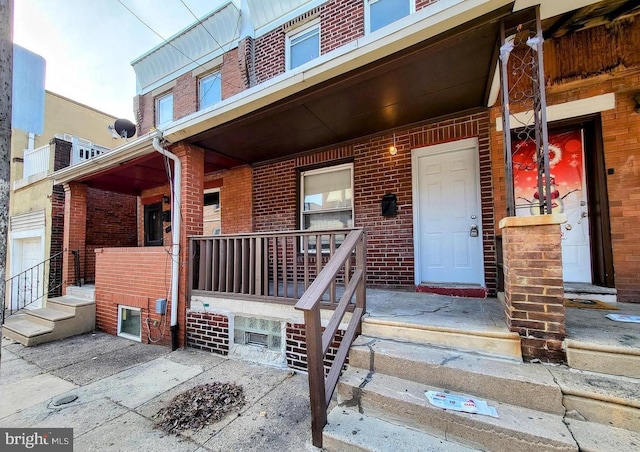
column 120, row 385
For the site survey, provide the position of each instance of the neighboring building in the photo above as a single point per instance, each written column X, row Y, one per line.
column 336, row 114
column 72, row 133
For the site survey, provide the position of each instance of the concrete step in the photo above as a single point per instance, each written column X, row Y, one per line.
column 22, row 329
column 49, row 324
column 350, row 431
column 48, row 316
column 497, row 343
column 68, row 303
column 86, row 292
column 592, row 437
column 603, row 358
column 404, row 402
column 582, row 291
column 527, row 385
column 606, row 399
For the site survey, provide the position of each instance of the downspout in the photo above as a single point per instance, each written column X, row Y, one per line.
column 175, row 236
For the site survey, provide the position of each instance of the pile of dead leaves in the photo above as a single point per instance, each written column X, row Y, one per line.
column 199, row 406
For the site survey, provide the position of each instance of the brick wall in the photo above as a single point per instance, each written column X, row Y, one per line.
column 209, row 332
column 390, row 257
column 74, row 237
column 534, row 292
column 296, row 348
column 231, row 75
column 111, row 222
column 236, row 200
column 185, row 96
column 144, row 109
column 340, row 23
column 150, row 270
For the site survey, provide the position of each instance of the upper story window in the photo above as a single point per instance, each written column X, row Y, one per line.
column 303, row 45
column 327, row 197
column 164, row 109
column 209, row 90
column 379, row 13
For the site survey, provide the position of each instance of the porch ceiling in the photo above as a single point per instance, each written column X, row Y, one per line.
column 443, row 75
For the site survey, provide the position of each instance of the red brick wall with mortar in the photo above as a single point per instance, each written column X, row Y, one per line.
column 390, row 256
column 620, row 135
column 144, row 109
column 296, row 348
column 185, row 96
column 534, row 292
column 231, row 76
column 61, row 159
column 192, row 159
column 111, row 222
column 209, row 332
column 74, row 237
column 150, row 269
column 236, row 200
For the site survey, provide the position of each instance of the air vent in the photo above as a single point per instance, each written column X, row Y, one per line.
column 258, row 332
column 261, row 340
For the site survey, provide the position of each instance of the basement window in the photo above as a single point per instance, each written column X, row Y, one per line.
column 261, row 333
column 129, row 323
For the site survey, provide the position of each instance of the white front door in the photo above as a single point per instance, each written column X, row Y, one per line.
column 568, row 196
column 447, row 214
column 30, row 284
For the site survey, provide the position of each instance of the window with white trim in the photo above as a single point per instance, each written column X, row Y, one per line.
column 327, row 198
column 164, row 109
column 129, row 322
column 303, row 45
column 379, row 13
column 209, row 90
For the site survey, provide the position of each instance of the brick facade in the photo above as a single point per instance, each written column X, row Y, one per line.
column 534, row 292
column 296, row 348
column 150, row 270
column 390, row 250
column 209, row 332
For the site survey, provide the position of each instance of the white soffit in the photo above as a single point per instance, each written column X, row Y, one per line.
column 189, row 47
column 550, row 8
column 566, row 110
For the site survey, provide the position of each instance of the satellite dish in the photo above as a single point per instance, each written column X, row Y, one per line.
column 124, row 128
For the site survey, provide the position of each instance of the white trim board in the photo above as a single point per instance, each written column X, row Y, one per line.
column 566, row 110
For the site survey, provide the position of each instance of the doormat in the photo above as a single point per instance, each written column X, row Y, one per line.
column 588, row 304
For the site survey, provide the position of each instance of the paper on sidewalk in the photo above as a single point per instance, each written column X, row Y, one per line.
column 457, row 402
column 624, row 318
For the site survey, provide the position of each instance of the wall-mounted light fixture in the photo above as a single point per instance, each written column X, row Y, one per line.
column 393, row 150
column 636, row 98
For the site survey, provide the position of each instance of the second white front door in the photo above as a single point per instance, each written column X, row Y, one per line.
column 447, row 214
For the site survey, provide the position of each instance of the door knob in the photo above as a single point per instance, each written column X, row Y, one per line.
column 473, row 232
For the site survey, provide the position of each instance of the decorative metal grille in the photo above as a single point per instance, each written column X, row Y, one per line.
column 523, row 92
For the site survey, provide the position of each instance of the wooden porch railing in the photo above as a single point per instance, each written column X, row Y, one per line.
column 318, row 342
column 316, row 269
column 278, row 267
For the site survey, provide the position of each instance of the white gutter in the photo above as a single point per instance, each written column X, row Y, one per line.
column 176, row 189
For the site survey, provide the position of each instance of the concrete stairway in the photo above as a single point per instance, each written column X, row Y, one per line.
column 69, row 315
column 382, row 403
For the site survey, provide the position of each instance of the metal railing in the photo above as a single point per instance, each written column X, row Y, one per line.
column 32, row 284
column 317, row 341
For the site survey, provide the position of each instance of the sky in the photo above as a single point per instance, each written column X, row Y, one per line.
column 88, row 45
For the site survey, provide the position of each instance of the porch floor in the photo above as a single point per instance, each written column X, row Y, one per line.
column 487, row 315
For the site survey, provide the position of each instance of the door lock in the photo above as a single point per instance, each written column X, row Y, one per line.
column 474, row 230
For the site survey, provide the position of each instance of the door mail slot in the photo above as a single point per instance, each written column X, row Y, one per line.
column 389, row 205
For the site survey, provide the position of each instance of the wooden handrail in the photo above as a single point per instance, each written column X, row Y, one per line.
column 318, row 342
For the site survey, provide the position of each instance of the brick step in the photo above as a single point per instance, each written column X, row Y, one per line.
column 527, row 385
column 496, row 342
column 400, row 401
column 603, row 358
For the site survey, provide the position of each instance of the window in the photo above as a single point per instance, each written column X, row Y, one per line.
column 211, row 221
column 129, row 322
column 209, row 90
column 303, row 45
column 379, row 13
column 327, row 198
column 153, row 224
column 164, row 109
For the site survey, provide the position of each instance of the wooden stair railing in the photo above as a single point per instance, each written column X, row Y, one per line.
column 318, row 342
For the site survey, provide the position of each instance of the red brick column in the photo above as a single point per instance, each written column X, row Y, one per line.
column 533, row 286
column 75, row 229
column 192, row 159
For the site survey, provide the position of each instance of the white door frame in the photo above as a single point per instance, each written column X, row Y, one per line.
column 443, row 148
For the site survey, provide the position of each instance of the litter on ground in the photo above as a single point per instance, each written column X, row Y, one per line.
column 462, row 403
